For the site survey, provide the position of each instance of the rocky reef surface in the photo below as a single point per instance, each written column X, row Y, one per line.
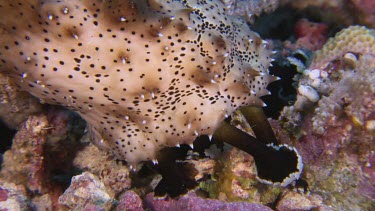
column 50, row 164
column 333, row 118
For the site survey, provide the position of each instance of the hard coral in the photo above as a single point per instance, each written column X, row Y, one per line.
column 143, row 74
column 41, row 153
column 86, row 192
column 340, row 52
column 24, row 162
column 13, row 197
column 354, row 39
column 336, row 139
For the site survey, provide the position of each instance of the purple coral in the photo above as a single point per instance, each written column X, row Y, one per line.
column 195, row 203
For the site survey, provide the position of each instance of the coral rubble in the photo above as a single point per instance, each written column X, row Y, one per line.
column 86, row 192
column 114, row 175
column 40, row 159
column 291, row 200
column 25, row 161
column 13, row 197
column 15, row 105
column 130, row 201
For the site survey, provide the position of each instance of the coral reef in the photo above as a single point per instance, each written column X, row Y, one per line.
column 67, row 48
column 193, row 202
column 235, row 176
column 319, row 78
column 337, row 12
column 181, row 69
column 199, row 66
column 130, row 201
column 44, row 202
column 86, row 192
column 334, row 131
column 319, row 3
column 366, row 10
column 309, row 36
column 291, row 200
column 40, row 158
column 13, row 197
column 114, row 175
column 15, row 105
column 354, row 39
column 336, row 161
column 235, row 179
column 24, row 162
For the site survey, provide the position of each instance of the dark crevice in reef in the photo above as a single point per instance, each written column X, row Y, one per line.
column 59, row 156
column 177, row 177
column 6, row 136
column 277, row 25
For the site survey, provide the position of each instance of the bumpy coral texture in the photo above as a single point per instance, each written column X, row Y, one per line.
column 143, row 74
column 354, row 39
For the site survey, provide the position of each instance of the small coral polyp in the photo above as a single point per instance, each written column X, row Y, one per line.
column 143, row 74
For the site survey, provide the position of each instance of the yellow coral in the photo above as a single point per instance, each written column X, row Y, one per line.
column 354, row 39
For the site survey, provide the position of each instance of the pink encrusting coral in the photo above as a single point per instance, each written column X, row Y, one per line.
column 143, row 74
